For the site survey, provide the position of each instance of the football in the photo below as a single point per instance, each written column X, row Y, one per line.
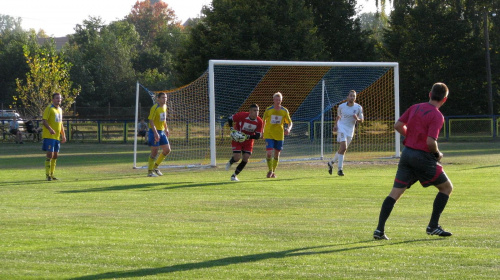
column 238, row 136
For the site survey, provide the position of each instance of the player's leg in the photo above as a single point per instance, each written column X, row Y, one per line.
column 445, row 187
column 341, row 153
column 151, row 160
column 277, row 150
column 165, row 147
column 269, row 158
column 236, row 147
column 403, row 180
column 241, row 166
column 48, row 158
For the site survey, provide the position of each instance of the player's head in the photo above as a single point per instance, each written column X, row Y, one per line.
column 162, row 98
column 277, row 98
column 351, row 97
column 253, row 111
column 439, row 92
column 56, row 99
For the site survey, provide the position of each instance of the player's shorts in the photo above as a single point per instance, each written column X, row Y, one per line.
column 142, row 133
column 274, row 144
column 246, row 146
column 342, row 137
column 151, row 138
column 51, row 145
column 13, row 131
column 418, row 165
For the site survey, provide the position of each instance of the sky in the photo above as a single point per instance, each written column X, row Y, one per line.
column 59, row 17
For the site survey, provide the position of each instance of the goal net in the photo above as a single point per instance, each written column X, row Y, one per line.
column 312, row 91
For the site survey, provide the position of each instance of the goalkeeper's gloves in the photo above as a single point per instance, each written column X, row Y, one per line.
column 232, row 129
column 244, row 138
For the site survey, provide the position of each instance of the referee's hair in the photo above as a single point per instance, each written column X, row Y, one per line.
column 439, row 91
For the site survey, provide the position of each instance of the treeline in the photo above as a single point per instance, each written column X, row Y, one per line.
column 432, row 40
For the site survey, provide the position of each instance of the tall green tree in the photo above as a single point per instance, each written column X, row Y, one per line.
column 241, row 29
column 341, row 31
column 102, row 57
column 440, row 41
column 48, row 73
column 12, row 61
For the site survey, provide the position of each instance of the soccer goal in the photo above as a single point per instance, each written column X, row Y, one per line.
column 312, row 91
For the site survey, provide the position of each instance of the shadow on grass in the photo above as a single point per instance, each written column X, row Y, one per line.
column 148, row 186
column 178, row 185
column 305, row 251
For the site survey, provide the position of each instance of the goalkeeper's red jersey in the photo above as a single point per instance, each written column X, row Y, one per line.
column 243, row 123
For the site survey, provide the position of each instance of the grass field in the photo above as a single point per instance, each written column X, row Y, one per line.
column 105, row 220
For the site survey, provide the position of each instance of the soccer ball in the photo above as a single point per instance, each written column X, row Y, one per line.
column 238, row 136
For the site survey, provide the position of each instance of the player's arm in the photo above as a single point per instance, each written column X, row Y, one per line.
column 359, row 117
column 153, row 127
column 257, row 135
column 289, row 128
column 433, row 148
column 167, row 132
column 400, row 127
column 63, row 133
column 230, row 122
column 335, row 126
column 47, row 126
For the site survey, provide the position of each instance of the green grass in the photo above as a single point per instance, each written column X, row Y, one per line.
column 105, row 220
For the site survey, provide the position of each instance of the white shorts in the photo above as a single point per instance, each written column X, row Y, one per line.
column 342, row 137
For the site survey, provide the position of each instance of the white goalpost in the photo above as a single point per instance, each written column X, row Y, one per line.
column 197, row 113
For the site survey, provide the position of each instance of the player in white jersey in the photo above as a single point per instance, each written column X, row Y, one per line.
column 348, row 114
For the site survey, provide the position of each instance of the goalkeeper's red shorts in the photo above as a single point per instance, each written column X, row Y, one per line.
column 245, row 146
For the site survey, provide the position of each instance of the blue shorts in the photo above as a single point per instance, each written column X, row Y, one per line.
column 416, row 165
column 151, row 138
column 51, row 145
column 274, row 144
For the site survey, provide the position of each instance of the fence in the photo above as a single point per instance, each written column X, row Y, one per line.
column 458, row 128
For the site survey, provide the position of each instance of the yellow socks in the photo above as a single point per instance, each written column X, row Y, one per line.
column 151, row 163
column 161, row 157
column 270, row 163
column 52, row 166
column 275, row 163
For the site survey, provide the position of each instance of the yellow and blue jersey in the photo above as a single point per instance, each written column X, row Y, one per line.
column 159, row 115
column 53, row 116
column 275, row 123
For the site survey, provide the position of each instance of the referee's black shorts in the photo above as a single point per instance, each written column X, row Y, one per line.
column 418, row 165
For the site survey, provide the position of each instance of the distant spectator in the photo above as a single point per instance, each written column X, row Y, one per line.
column 143, row 130
column 14, row 130
column 36, row 131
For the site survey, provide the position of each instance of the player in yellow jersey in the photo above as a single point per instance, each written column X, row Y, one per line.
column 158, row 135
column 53, row 130
column 275, row 118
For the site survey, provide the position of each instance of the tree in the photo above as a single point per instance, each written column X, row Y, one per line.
column 8, row 23
column 12, row 61
column 102, row 55
column 240, row 29
column 341, row 31
column 48, row 74
column 150, row 18
column 439, row 41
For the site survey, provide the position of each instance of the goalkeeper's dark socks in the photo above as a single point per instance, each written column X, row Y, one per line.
column 439, row 204
column 385, row 212
column 231, row 161
column 240, row 167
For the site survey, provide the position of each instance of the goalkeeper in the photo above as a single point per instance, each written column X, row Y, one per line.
column 250, row 125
